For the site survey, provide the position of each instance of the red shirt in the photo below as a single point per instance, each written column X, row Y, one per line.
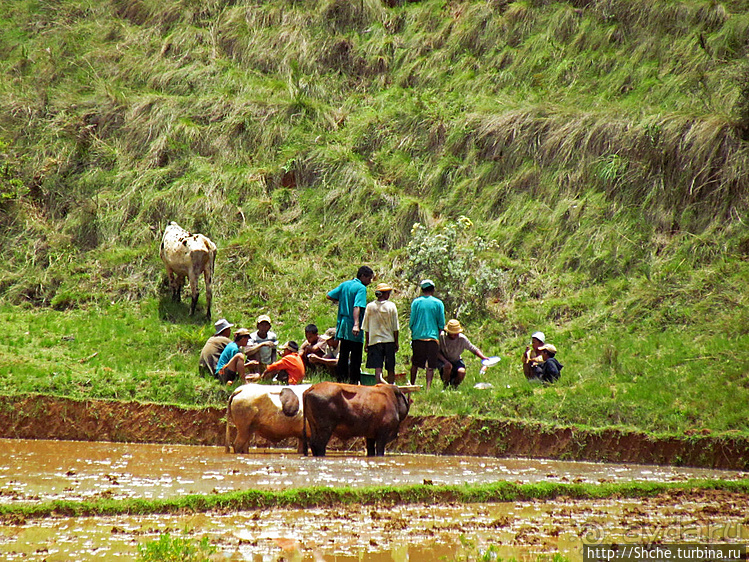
column 292, row 364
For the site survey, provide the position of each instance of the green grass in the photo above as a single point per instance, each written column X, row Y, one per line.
column 149, row 352
column 602, row 148
column 318, row 497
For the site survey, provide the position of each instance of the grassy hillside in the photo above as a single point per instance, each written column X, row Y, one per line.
column 598, row 150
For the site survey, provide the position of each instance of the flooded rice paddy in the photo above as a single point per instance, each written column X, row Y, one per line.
column 50, row 470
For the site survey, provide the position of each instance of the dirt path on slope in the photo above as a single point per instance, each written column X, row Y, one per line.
column 45, row 417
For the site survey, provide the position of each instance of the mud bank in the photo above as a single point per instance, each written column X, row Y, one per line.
column 46, row 417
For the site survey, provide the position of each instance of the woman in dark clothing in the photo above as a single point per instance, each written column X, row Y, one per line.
column 548, row 371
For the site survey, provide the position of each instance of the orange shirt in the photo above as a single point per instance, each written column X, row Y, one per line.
column 292, row 364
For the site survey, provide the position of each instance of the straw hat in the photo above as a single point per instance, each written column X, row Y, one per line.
column 383, row 287
column 453, row 327
column 263, row 318
column 241, row 333
column 548, row 347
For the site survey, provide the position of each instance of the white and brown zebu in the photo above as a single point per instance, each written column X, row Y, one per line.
column 272, row 412
column 188, row 255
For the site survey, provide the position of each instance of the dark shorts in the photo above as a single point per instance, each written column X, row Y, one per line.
column 456, row 365
column 424, row 353
column 225, row 375
column 381, row 354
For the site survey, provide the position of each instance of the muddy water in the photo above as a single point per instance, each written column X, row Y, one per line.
column 416, row 533
column 47, row 470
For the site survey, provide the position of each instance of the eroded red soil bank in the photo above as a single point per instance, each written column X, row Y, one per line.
column 45, row 417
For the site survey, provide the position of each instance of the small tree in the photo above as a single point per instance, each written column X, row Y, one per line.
column 458, row 262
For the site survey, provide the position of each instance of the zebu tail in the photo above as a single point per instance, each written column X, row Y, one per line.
column 304, row 422
column 228, row 419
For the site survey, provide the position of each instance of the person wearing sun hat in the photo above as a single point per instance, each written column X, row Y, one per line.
column 381, row 329
column 427, row 319
column 288, row 370
column 452, row 343
column 330, row 348
column 214, row 346
column 261, row 349
column 549, row 370
column 231, row 363
column 532, row 355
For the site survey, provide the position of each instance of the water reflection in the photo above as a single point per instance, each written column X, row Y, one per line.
column 414, row 533
column 46, row 470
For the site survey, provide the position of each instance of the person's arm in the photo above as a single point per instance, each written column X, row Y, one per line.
column 366, row 342
column 334, row 294
column 475, row 350
column 356, row 328
column 441, row 357
column 396, row 335
column 272, row 368
column 255, row 347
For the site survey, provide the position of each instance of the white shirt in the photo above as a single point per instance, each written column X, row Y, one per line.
column 381, row 322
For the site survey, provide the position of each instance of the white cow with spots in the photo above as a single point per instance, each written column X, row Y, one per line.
column 272, row 412
column 188, row 255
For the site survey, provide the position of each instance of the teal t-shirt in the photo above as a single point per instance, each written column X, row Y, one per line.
column 229, row 351
column 427, row 318
column 349, row 295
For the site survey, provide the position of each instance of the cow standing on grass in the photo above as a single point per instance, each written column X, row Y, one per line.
column 347, row 410
column 188, row 255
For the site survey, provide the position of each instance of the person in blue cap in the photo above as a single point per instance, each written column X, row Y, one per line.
column 427, row 319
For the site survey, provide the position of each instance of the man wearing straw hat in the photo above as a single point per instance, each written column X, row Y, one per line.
column 214, row 346
column 381, row 330
column 452, row 343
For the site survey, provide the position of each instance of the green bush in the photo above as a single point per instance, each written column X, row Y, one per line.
column 175, row 549
column 459, row 262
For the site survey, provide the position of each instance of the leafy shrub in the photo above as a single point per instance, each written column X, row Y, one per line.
column 459, row 263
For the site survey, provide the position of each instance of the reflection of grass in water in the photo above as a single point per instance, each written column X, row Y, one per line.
column 471, row 552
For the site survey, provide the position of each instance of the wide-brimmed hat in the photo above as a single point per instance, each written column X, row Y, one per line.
column 548, row 347
column 242, row 332
column 427, row 284
column 383, row 287
column 539, row 336
column 330, row 334
column 292, row 345
column 221, row 325
column 263, row 318
column 453, row 327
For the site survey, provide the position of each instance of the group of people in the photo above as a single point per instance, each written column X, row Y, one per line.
column 254, row 356
column 372, row 328
column 539, row 361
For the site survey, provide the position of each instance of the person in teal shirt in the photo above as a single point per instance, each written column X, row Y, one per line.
column 427, row 319
column 351, row 297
